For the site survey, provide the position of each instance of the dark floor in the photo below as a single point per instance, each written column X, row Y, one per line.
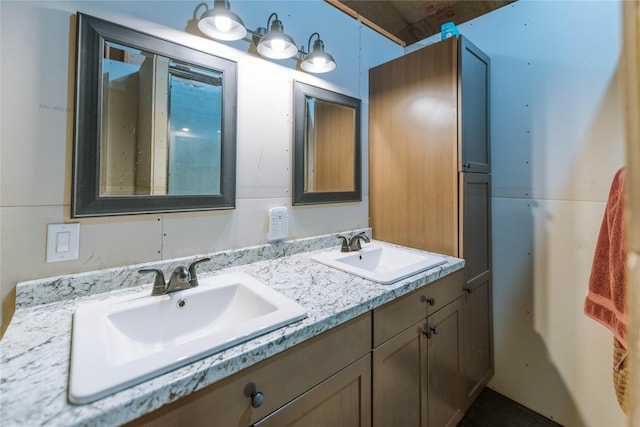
column 492, row 409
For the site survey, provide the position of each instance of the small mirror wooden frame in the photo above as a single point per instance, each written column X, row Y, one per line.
column 301, row 93
column 86, row 200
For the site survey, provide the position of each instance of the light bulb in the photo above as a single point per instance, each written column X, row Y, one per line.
column 222, row 23
column 277, row 45
column 319, row 61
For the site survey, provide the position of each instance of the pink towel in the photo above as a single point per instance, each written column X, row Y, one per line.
column 606, row 299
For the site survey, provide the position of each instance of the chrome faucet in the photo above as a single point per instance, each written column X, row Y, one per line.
column 181, row 278
column 353, row 244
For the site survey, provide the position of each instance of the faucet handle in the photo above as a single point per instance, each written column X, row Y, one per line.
column 345, row 243
column 159, row 285
column 192, row 271
column 354, row 243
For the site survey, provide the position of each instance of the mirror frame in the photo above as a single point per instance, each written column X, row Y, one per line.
column 85, row 199
column 300, row 92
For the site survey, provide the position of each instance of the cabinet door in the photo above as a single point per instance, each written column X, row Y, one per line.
column 477, row 340
column 475, row 223
column 399, row 380
column 416, row 374
column 474, row 108
column 476, row 250
column 444, row 363
column 343, row 400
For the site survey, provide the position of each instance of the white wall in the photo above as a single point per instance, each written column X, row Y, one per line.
column 557, row 142
column 36, row 134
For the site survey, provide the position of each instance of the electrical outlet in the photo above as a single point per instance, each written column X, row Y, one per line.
column 278, row 224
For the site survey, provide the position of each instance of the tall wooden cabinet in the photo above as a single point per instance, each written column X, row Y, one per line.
column 430, row 182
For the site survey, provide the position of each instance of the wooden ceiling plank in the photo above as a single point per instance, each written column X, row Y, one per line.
column 355, row 15
column 407, row 22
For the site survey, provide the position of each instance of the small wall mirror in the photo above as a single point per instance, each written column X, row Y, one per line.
column 327, row 148
column 155, row 124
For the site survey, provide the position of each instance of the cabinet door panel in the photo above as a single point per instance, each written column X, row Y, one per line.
column 399, row 380
column 478, row 340
column 475, row 197
column 444, row 360
column 474, row 108
column 344, row 400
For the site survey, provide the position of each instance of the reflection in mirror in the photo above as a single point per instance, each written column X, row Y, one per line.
column 329, row 147
column 327, row 165
column 144, row 94
column 150, row 116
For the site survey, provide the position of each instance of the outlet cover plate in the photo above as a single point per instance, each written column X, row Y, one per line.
column 63, row 241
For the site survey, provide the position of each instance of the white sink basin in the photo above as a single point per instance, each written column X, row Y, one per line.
column 380, row 263
column 121, row 342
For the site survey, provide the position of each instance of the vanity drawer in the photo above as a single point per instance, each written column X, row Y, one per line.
column 280, row 379
column 397, row 315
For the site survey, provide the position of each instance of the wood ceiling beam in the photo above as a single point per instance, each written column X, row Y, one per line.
column 339, row 5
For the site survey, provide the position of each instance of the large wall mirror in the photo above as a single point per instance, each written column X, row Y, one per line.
column 327, row 147
column 155, row 124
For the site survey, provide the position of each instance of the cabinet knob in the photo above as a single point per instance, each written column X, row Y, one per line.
column 435, row 331
column 431, row 300
column 257, row 399
column 468, row 290
column 466, row 165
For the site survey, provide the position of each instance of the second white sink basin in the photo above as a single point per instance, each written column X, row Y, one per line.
column 381, row 263
column 121, row 342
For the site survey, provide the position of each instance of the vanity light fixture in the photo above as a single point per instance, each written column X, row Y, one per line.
column 220, row 23
column 271, row 42
column 317, row 61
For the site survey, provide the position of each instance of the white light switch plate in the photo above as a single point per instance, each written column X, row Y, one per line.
column 278, row 224
column 63, row 241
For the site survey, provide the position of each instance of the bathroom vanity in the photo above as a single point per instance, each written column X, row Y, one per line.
column 414, row 367
column 342, row 365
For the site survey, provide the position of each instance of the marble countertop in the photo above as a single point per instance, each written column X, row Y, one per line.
column 35, row 349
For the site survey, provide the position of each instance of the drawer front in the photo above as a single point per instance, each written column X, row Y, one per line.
column 280, row 379
column 397, row 315
column 344, row 400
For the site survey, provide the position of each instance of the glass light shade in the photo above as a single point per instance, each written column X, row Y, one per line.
column 222, row 24
column 276, row 44
column 318, row 61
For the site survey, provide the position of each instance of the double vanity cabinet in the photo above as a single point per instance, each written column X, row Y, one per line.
column 399, row 364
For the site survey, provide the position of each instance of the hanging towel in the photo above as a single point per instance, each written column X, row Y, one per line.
column 621, row 376
column 605, row 301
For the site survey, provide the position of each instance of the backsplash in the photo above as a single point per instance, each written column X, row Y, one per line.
column 52, row 289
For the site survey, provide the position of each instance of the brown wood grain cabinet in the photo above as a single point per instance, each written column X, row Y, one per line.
column 417, row 366
column 312, row 376
column 343, row 400
column 429, row 174
column 398, row 365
